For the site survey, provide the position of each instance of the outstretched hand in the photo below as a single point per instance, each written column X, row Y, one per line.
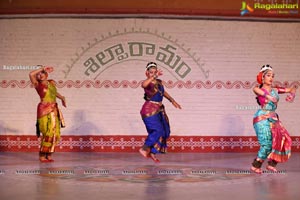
column 48, row 69
column 176, row 105
column 290, row 97
column 159, row 72
column 63, row 100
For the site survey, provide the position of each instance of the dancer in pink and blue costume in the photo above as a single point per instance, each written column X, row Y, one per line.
column 275, row 141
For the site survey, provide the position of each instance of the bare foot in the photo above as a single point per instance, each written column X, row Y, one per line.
column 271, row 168
column 43, row 159
column 256, row 170
column 144, row 153
column 153, row 157
column 49, row 158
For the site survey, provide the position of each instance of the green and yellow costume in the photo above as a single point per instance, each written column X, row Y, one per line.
column 49, row 118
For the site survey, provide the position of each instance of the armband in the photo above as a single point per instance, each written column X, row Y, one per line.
column 281, row 90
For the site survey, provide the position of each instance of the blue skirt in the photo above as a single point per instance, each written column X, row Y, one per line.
column 158, row 129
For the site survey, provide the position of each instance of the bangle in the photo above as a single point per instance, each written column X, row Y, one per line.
column 171, row 100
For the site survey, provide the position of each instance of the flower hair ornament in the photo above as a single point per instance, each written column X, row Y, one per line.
column 262, row 72
column 151, row 64
column 266, row 67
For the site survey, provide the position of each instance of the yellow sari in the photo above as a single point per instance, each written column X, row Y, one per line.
column 49, row 117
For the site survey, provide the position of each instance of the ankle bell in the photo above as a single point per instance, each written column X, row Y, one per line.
column 257, row 163
column 272, row 163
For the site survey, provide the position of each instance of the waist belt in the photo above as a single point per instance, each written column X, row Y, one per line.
column 265, row 116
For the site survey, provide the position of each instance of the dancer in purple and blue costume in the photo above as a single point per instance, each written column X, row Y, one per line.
column 153, row 113
column 275, row 141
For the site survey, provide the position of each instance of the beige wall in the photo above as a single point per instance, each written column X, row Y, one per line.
column 218, row 53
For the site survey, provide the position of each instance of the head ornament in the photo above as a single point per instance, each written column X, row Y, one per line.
column 151, row 64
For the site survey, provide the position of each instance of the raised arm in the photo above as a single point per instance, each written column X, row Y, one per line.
column 151, row 77
column 290, row 90
column 292, row 94
column 32, row 76
column 148, row 81
column 262, row 92
column 258, row 91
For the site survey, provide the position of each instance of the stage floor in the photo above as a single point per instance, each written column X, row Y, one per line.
column 209, row 176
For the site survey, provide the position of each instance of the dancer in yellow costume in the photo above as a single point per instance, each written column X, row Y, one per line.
column 49, row 117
